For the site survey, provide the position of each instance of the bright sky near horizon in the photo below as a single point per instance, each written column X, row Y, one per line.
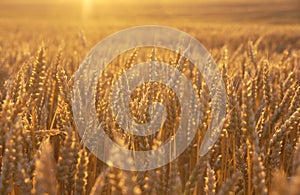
column 267, row 11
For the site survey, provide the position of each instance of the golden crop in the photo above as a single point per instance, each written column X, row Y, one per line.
column 258, row 151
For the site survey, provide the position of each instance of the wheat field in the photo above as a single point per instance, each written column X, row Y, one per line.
column 258, row 151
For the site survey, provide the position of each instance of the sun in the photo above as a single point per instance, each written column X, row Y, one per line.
column 87, row 8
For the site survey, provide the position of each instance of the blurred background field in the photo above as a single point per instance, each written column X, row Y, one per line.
column 134, row 12
column 237, row 19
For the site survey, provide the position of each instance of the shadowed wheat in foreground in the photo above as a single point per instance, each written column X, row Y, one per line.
column 258, row 151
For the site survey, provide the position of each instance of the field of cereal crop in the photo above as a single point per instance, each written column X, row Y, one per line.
column 256, row 46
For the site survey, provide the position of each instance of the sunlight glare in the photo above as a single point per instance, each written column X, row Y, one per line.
column 87, row 8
